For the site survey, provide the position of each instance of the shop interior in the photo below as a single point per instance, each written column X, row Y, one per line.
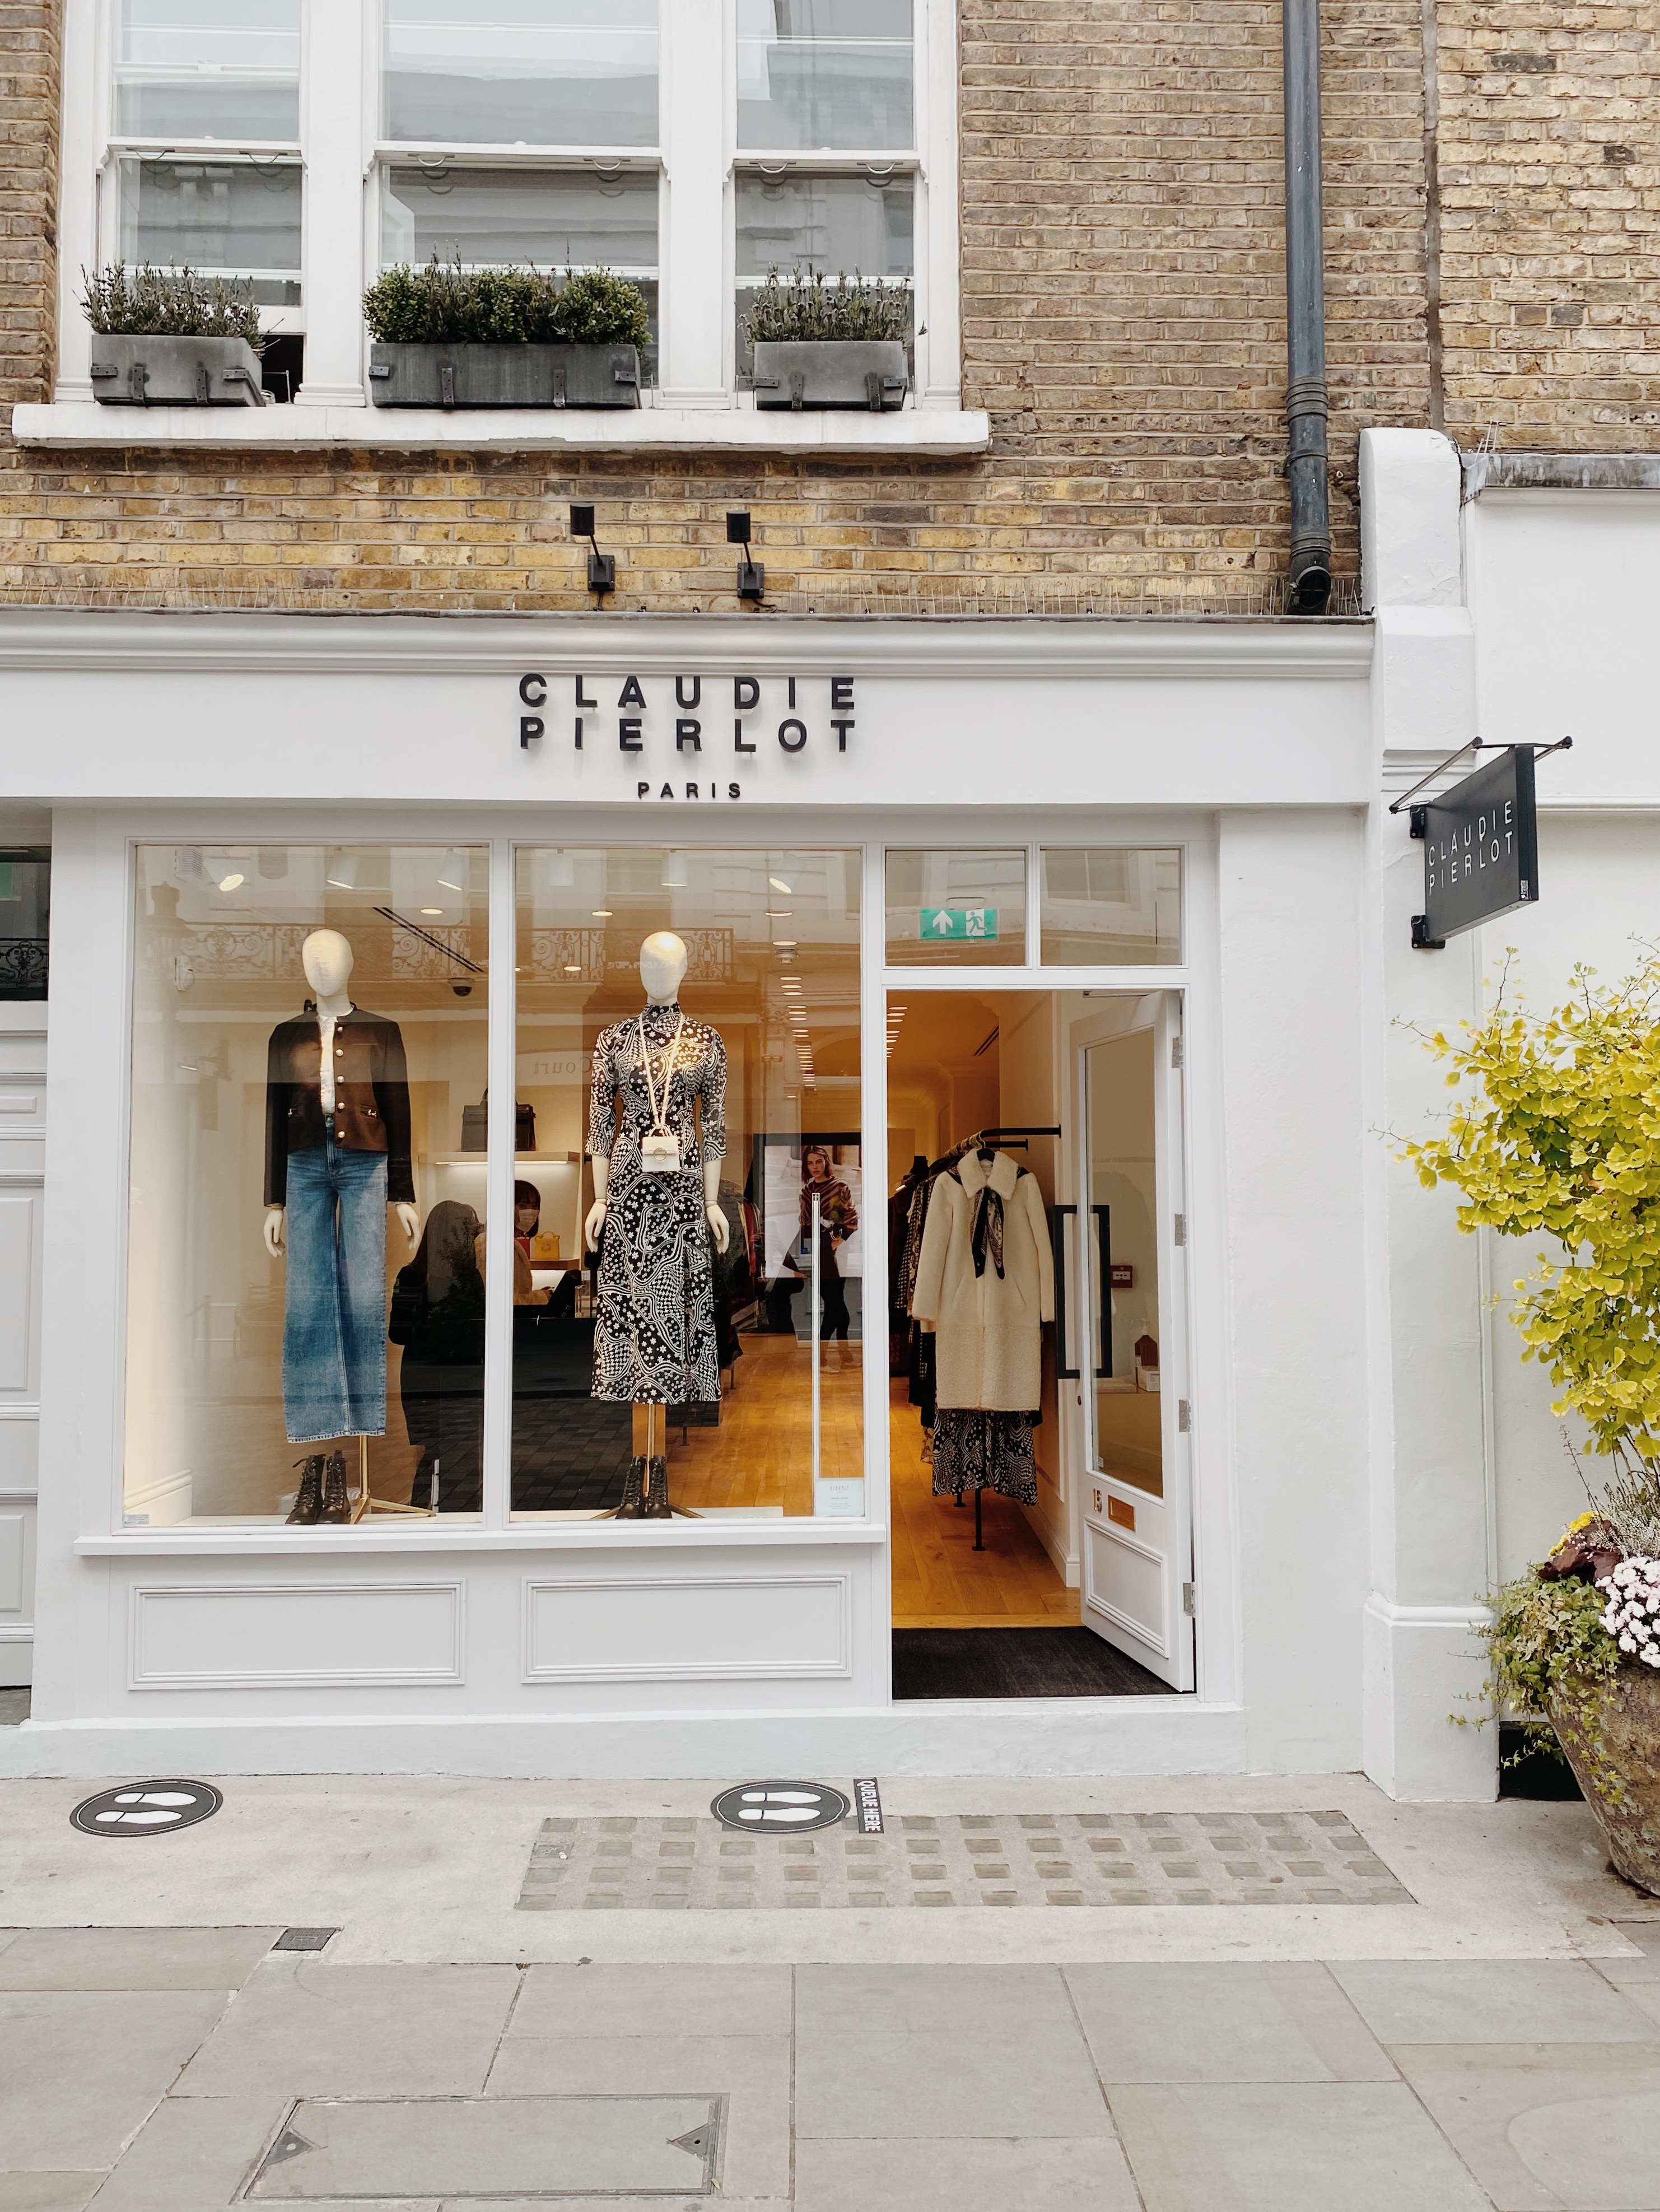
column 981, row 1540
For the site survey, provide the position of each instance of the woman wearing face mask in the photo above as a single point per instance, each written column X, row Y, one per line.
column 527, row 1220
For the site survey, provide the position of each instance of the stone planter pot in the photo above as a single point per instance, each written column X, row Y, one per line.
column 1611, row 1734
column 168, row 372
column 477, row 375
column 865, row 372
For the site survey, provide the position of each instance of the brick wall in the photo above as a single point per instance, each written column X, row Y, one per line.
column 1550, row 223
column 1123, row 322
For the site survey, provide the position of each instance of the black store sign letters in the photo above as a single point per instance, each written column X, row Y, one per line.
column 689, row 724
column 1480, row 849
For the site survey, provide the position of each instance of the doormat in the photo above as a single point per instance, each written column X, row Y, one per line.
column 619, row 1864
column 1016, row 1662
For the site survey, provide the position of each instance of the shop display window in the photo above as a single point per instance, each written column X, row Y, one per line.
column 957, row 910
column 25, row 912
column 306, row 1304
column 1117, row 904
column 689, row 1083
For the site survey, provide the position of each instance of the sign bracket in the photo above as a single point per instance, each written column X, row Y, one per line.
column 1480, row 840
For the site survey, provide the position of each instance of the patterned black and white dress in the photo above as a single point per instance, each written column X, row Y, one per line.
column 654, row 1337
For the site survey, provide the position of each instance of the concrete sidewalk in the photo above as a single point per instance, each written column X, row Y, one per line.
column 1488, row 2037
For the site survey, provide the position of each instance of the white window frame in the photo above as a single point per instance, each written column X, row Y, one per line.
column 697, row 159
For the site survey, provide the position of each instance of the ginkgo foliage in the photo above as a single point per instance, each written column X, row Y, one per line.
column 1556, row 1134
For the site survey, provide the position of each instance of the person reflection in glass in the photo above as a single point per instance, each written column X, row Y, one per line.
column 438, row 1317
column 837, row 1220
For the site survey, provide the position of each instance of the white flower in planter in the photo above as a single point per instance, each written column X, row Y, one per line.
column 1631, row 1615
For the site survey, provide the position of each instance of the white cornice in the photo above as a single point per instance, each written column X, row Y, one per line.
column 70, row 641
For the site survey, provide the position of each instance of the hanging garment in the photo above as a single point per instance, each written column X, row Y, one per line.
column 367, row 1099
column 334, row 1321
column 984, row 1451
column 654, row 1338
column 986, row 1282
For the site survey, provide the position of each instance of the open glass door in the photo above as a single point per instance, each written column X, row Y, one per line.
column 1131, row 1343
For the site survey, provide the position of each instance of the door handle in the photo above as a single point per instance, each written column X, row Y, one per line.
column 1104, row 1244
column 1058, row 1246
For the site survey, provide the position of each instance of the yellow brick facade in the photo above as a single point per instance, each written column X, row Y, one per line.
column 1122, row 323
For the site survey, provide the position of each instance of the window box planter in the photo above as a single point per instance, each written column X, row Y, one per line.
column 800, row 373
column 475, row 374
column 173, row 372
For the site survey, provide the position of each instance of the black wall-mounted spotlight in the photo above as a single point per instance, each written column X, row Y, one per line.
column 602, row 566
column 751, row 577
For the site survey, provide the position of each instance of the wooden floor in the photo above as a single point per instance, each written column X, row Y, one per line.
column 762, row 1453
column 939, row 1580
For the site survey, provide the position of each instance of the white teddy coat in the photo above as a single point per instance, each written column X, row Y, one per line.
column 989, row 1329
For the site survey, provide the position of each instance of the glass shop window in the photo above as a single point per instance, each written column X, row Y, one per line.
column 521, row 73
column 306, row 1269
column 25, row 921
column 954, row 909
column 831, row 225
column 689, row 1090
column 222, row 69
column 221, row 214
column 1103, row 903
column 824, row 73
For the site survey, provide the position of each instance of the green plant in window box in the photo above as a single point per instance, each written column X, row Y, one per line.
column 169, row 338
column 449, row 337
column 1555, row 1137
column 820, row 345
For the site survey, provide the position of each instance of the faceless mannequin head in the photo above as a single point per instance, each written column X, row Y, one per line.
column 326, row 958
column 662, row 964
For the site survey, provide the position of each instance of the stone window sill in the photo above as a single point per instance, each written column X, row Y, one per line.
column 72, row 425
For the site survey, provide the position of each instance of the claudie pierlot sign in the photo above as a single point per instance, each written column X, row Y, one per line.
column 1481, row 847
column 687, row 737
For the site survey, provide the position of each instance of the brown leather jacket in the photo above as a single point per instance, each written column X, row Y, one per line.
column 371, row 1097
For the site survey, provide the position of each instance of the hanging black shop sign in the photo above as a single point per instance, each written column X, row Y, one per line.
column 1480, row 847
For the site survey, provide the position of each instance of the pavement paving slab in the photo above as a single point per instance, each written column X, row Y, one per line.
column 133, row 1958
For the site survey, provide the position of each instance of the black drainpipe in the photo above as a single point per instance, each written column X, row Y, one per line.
column 1305, row 315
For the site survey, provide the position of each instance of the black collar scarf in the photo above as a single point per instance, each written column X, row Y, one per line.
column 988, row 1233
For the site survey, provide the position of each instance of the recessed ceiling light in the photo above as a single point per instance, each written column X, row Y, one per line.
column 573, row 971
column 779, row 885
column 432, row 909
column 779, row 913
column 786, row 944
column 230, row 883
column 601, row 913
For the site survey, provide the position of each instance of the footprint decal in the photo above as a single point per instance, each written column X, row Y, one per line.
column 146, row 1808
column 790, row 1805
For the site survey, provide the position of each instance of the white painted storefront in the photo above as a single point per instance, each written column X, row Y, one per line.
column 1350, row 1450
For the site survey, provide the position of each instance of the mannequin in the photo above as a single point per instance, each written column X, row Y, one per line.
column 656, row 1208
column 337, row 1153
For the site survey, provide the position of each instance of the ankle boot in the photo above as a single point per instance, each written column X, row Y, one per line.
column 337, row 1506
column 633, row 1507
column 657, row 1490
column 309, row 1502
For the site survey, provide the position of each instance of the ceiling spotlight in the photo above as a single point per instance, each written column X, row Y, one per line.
column 573, row 971
column 780, row 913
column 230, row 883
column 432, row 909
column 601, row 913
column 342, row 872
column 674, row 876
column 779, row 885
column 785, row 944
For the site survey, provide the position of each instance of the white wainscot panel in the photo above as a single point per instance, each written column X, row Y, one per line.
column 302, row 1635
column 656, row 1628
column 20, row 1448
column 1126, row 1586
column 19, row 1210
column 13, row 1551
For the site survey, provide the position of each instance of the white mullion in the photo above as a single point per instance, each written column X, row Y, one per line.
column 939, row 366
column 500, row 1164
column 85, row 134
column 332, row 65
column 693, row 301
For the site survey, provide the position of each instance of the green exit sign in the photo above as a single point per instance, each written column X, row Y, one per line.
column 958, row 925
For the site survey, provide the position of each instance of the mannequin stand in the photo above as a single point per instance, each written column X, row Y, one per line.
column 979, row 1531
column 363, row 1502
column 651, row 1441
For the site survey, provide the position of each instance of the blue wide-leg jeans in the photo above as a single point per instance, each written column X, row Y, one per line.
column 334, row 1328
